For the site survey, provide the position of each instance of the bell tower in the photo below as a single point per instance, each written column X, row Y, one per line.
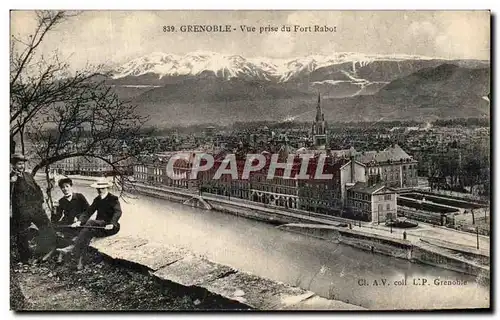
column 319, row 131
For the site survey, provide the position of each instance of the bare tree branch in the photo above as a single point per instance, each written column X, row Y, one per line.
column 70, row 114
column 47, row 20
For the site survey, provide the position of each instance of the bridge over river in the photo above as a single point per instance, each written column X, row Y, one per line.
column 327, row 268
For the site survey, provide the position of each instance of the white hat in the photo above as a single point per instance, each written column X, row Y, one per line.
column 101, row 183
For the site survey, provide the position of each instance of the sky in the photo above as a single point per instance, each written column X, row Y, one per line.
column 114, row 37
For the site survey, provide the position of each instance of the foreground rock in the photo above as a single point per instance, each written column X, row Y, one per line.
column 102, row 285
column 177, row 265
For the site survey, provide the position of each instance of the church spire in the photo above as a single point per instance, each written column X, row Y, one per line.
column 319, row 130
column 319, row 114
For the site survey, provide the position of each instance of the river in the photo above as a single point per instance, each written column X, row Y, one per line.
column 327, row 268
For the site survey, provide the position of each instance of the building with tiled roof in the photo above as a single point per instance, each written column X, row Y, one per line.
column 372, row 202
column 344, row 153
column 393, row 165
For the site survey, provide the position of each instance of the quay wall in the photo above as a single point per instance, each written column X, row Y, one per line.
column 355, row 238
column 437, row 258
column 240, row 207
column 398, row 248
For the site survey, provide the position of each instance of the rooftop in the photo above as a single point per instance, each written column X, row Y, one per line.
column 393, row 153
column 363, row 187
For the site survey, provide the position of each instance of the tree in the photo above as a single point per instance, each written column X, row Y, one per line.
column 472, row 172
column 99, row 127
column 69, row 114
column 37, row 82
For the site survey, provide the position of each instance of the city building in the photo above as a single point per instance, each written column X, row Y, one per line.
column 354, row 190
column 92, row 166
column 67, row 166
column 371, row 202
column 225, row 185
column 323, row 195
column 154, row 170
column 150, row 169
column 394, row 166
column 100, row 164
column 279, row 191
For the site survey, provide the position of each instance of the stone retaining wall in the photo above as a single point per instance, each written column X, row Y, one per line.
column 398, row 248
column 431, row 256
column 356, row 238
column 240, row 207
column 187, row 269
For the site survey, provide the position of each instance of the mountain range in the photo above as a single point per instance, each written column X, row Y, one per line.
column 210, row 87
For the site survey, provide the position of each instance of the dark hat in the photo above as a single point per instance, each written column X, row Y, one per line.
column 14, row 158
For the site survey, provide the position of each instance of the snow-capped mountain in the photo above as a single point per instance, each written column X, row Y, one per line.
column 162, row 64
column 236, row 66
column 230, row 77
column 203, row 86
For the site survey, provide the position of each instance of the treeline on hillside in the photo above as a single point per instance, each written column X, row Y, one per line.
column 466, row 122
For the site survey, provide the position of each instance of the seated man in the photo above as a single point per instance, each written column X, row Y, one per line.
column 71, row 206
column 106, row 223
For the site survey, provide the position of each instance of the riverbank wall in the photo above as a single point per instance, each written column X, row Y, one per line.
column 442, row 259
column 239, row 207
column 355, row 238
column 420, row 252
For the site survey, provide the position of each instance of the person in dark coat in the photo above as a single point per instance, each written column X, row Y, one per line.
column 109, row 212
column 69, row 209
column 27, row 207
column 71, row 205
